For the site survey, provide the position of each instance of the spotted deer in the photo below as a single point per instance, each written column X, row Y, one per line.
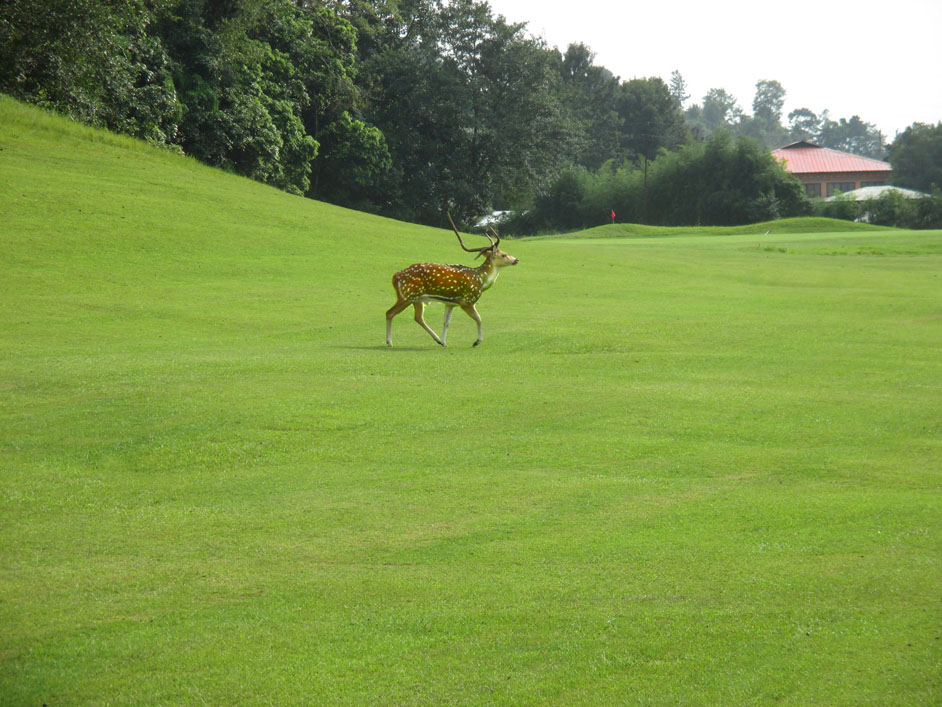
column 453, row 285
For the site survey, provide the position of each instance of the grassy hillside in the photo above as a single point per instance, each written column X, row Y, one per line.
column 695, row 470
column 805, row 224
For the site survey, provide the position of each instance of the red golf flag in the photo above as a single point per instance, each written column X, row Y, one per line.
column 613, row 214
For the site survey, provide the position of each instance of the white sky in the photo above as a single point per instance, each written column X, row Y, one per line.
column 879, row 60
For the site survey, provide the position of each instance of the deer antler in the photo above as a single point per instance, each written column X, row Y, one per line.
column 471, row 250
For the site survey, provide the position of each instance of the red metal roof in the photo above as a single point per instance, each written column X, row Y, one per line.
column 803, row 157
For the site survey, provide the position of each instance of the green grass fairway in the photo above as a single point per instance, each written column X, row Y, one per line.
column 767, row 228
column 702, row 469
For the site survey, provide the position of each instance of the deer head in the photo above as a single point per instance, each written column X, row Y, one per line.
column 491, row 252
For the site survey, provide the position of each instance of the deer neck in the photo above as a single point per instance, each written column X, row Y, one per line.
column 487, row 273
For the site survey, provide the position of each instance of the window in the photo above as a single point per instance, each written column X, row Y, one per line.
column 842, row 187
column 813, row 190
column 872, row 184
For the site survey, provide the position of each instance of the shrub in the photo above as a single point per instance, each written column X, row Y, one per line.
column 889, row 209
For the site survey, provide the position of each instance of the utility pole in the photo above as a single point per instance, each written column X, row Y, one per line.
column 644, row 192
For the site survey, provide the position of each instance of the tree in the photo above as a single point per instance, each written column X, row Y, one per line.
column 521, row 132
column 720, row 110
column 355, row 159
column 259, row 79
column 650, row 118
column 588, row 94
column 916, row 157
column 768, row 102
column 765, row 124
column 852, row 135
column 242, row 96
column 561, row 205
column 678, row 88
column 803, row 124
column 470, row 107
column 615, row 120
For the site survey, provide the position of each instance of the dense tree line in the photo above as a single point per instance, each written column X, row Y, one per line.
column 409, row 108
column 720, row 110
column 726, row 180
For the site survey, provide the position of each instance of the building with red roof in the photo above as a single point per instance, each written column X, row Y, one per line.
column 825, row 172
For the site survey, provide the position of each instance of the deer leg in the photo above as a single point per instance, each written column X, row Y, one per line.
column 390, row 313
column 473, row 313
column 449, row 308
column 419, row 308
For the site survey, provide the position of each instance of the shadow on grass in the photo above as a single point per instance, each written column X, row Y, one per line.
column 383, row 347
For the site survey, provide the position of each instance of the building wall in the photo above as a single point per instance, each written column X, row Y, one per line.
column 826, row 183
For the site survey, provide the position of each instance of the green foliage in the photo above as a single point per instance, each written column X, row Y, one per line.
column 563, row 204
column 719, row 110
column 928, row 211
column 678, row 88
column 617, row 120
column 469, row 108
column 650, row 119
column 889, row 209
column 853, row 135
column 98, row 63
column 916, row 156
column 415, row 108
column 842, row 207
column 246, row 73
column 768, row 102
column 723, row 181
column 803, row 124
column 354, row 158
column 589, row 95
column 765, row 124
